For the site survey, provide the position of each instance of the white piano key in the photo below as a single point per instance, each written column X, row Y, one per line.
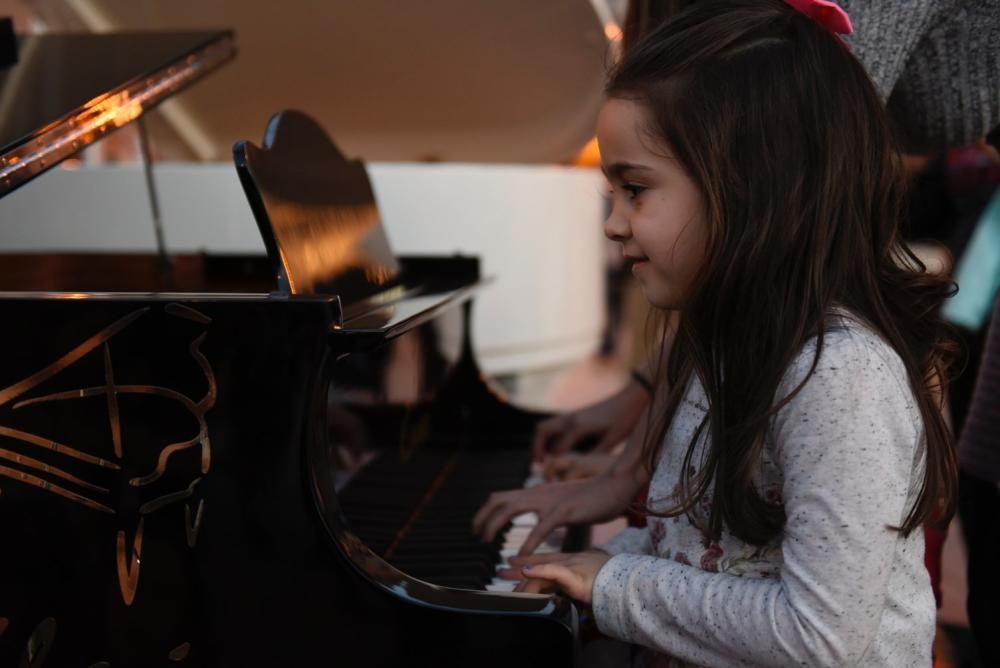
column 517, row 534
column 499, row 584
column 525, row 520
column 521, row 528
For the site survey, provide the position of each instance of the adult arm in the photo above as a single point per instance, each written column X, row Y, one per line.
column 596, row 499
column 935, row 62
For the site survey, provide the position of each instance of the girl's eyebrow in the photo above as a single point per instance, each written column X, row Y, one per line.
column 615, row 170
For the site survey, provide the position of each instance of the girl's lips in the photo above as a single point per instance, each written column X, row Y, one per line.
column 638, row 264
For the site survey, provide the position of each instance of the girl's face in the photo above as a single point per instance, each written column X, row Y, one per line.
column 657, row 211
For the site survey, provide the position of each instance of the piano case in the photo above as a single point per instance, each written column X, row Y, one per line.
column 275, row 478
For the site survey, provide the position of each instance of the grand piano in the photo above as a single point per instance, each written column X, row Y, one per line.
column 249, row 464
column 469, row 116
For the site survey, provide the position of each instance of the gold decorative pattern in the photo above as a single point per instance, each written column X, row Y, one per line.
column 109, row 381
column 52, row 470
column 70, row 358
column 128, row 573
column 168, row 499
column 30, row 470
column 40, row 483
column 49, row 444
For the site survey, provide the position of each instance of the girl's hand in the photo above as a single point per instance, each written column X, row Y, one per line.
column 571, row 574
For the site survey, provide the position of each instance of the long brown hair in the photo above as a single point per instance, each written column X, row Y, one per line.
column 784, row 133
column 643, row 16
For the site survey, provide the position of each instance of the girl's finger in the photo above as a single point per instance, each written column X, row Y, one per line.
column 535, row 587
column 557, row 573
column 524, row 560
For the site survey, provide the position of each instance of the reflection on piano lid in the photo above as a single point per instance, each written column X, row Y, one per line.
column 315, row 210
column 68, row 91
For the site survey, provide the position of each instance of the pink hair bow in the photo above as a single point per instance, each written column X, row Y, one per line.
column 828, row 14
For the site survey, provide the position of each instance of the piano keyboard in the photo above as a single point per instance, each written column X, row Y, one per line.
column 517, row 533
column 424, row 529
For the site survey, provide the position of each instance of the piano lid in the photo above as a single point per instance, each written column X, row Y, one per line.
column 66, row 91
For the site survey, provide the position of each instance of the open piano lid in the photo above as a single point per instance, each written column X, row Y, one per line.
column 67, row 91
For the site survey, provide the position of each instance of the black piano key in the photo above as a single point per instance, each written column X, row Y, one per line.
column 419, row 518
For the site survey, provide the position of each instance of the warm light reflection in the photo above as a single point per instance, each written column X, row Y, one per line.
column 589, row 155
column 71, row 295
column 319, row 243
column 63, row 138
column 115, row 110
column 612, row 31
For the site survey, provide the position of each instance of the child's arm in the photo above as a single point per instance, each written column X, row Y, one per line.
column 846, row 446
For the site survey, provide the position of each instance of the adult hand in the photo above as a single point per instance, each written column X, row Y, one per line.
column 571, row 574
column 557, row 504
column 610, row 421
column 578, row 466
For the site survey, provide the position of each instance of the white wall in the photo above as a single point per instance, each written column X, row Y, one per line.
column 535, row 228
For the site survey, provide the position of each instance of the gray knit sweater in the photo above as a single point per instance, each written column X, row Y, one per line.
column 938, row 62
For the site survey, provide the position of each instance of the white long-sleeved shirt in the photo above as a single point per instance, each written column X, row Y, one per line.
column 838, row 587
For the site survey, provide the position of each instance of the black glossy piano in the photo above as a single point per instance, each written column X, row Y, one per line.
column 221, row 462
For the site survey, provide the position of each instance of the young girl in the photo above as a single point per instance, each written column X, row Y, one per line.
column 796, row 440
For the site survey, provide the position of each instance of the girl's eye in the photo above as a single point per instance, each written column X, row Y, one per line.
column 633, row 189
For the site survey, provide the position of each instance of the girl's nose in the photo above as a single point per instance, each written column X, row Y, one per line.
column 616, row 227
